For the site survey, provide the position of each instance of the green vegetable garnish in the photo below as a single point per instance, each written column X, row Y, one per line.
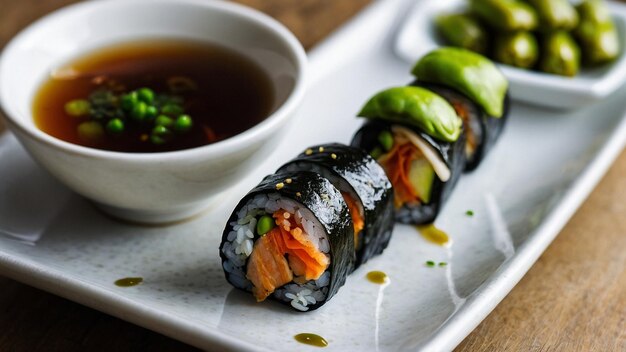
column 172, row 110
column 115, row 126
column 385, row 138
column 469, row 213
column 376, row 153
column 91, row 131
column 163, row 120
column 152, row 112
column 265, row 224
column 443, row 263
column 160, row 134
column 471, row 74
column 139, row 111
column 129, row 101
column 417, row 107
column 146, row 95
column 430, row 263
column 154, row 115
column 78, row 107
column 183, row 123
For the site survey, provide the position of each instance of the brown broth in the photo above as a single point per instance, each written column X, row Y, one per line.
column 233, row 93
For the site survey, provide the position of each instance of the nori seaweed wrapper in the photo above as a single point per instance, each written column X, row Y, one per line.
column 453, row 154
column 326, row 203
column 487, row 129
column 369, row 183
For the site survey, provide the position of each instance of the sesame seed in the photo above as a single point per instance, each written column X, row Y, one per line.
column 321, row 149
column 280, row 185
column 308, row 151
column 333, row 155
column 298, row 194
column 288, row 181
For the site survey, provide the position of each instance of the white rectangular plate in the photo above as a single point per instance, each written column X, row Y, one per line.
column 539, row 173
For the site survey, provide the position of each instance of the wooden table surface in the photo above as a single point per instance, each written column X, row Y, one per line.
column 572, row 299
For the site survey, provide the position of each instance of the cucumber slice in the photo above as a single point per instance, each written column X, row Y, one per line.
column 421, row 175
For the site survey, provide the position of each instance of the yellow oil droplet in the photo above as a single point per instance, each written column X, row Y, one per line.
column 433, row 234
column 129, row 281
column 377, row 277
column 311, row 339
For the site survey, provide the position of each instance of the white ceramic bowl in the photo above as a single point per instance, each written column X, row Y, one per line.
column 417, row 36
column 159, row 187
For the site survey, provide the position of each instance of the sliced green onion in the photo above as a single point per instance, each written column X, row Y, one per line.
column 90, row 131
column 163, row 120
column 172, row 110
column 78, row 107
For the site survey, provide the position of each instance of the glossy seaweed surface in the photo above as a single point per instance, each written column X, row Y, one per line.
column 453, row 154
column 368, row 181
column 326, row 202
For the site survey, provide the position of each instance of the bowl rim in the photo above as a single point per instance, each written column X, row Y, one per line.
column 232, row 144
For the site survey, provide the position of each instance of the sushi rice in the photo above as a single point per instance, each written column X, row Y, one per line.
column 240, row 243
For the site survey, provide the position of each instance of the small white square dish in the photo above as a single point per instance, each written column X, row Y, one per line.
column 417, row 36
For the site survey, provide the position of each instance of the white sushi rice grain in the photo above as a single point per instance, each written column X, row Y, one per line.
column 239, row 245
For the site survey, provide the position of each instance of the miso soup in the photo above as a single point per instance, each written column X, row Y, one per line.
column 153, row 96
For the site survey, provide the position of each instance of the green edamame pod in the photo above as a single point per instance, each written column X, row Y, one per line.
column 464, row 31
column 517, row 49
column 596, row 33
column 510, row 15
column 555, row 14
column 467, row 72
column 417, row 107
column 560, row 54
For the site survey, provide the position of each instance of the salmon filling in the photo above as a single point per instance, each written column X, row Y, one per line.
column 282, row 255
column 397, row 163
column 355, row 214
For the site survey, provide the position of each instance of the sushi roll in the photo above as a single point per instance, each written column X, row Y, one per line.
column 364, row 187
column 482, row 131
column 475, row 88
column 418, row 139
column 290, row 239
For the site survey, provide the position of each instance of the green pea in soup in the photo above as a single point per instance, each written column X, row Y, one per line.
column 153, row 96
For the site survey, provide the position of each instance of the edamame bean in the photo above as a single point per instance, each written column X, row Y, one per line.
column 265, row 224
column 464, row 31
column 517, row 49
column 509, row 15
column 560, row 54
column 555, row 14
